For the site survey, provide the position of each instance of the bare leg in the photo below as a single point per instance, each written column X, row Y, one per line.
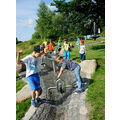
column 37, row 93
column 33, row 94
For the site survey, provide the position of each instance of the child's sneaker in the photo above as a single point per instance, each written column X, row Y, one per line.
column 38, row 100
column 78, row 91
column 33, row 103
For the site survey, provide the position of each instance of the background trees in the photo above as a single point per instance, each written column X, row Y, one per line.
column 70, row 18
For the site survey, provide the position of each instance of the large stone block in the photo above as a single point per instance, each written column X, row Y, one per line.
column 23, row 94
column 20, row 67
column 88, row 66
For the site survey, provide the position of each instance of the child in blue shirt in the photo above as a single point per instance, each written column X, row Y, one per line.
column 78, row 41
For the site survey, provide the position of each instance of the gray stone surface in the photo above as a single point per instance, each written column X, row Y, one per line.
column 66, row 106
column 56, row 106
column 88, row 66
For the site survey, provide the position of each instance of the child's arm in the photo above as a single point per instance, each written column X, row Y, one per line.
column 60, row 73
column 18, row 57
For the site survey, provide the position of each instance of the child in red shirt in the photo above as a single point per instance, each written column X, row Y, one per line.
column 51, row 46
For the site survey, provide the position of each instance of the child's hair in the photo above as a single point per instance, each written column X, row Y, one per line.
column 65, row 39
column 58, row 58
column 82, row 41
column 37, row 48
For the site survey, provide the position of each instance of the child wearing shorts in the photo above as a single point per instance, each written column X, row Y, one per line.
column 82, row 50
column 32, row 75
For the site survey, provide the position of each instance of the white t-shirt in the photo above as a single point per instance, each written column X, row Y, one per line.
column 31, row 65
column 82, row 49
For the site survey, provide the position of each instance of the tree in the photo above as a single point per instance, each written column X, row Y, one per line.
column 43, row 20
column 36, row 35
column 77, row 12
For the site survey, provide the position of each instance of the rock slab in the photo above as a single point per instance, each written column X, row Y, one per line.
column 88, row 66
column 23, row 94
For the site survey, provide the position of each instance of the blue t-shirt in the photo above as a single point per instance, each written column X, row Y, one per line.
column 69, row 65
column 78, row 40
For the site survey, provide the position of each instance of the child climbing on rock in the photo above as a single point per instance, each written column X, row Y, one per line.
column 66, row 47
column 32, row 75
column 72, row 66
column 82, row 51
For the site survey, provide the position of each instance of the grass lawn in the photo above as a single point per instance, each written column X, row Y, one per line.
column 19, row 84
column 21, row 108
column 96, row 94
column 96, row 90
column 28, row 46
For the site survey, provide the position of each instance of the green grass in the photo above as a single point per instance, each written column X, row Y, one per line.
column 96, row 94
column 28, row 46
column 19, row 85
column 93, row 52
column 96, row 90
column 21, row 109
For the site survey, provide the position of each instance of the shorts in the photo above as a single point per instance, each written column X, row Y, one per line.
column 82, row 56
column 34, row 82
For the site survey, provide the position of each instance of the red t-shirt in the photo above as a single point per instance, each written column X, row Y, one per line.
column 51, row 46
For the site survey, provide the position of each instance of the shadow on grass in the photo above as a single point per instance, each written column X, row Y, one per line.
column 98, row 47
column 75, row 58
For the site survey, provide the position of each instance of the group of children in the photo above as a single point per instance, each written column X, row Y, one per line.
column 31, row 61
column 45, row 47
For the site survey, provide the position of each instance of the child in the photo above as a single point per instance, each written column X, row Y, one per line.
column 78, row 41
column 32, row 75
column 51, row 46
column 45, row 43
column 66, row 47
column 46, row 49
column 59, row 46
column 72, row 66
column 82, row 50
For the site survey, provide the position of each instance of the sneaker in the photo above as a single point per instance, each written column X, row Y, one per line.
column 33, row 103
column 38, row 100
column 78, row 91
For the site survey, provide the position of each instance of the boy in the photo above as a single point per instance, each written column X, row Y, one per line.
column 32, row 75
column 66, row 47
column 59, row 46
column 44, row 43
column 78, row 41
column 72, row 66
column 82, row 50
column 51, row 46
